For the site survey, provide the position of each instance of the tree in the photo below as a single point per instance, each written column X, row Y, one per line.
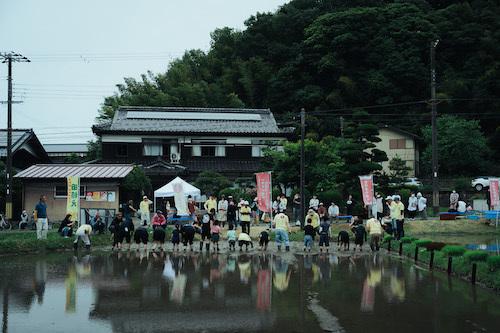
column 322, row 164
column 94, row 149
column 73, row 159
column 398, row 169
column 210, row 182
column 136, row 184
column 462, row 147
column 358, row 152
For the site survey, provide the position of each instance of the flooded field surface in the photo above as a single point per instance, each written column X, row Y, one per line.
column 139, row 292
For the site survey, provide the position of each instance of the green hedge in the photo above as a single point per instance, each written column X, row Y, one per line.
column 407, row 240
column 453, row 250
column 476, row 255
column 422, row 242
column 493, row 263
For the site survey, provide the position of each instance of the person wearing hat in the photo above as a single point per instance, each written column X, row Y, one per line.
column 315, row 221
column 397, row 215
column 422, row 206
column 245, row 216
column 144, row 211
column 222, row 210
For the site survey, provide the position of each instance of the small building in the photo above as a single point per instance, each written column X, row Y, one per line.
column 400, row 143
column 99, row 188
column 26, row 149
column 184, row 141
column 61, row 152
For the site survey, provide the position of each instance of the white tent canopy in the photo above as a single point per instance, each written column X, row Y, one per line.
column 168, row 190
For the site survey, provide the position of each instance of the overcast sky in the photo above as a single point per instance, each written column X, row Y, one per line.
column 81, row 48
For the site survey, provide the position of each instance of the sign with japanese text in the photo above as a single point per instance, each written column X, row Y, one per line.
column 494, row 192
column 367, row 189
column 264, row 191
column 73, row 201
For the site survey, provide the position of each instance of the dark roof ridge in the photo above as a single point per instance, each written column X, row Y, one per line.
column 193, row 109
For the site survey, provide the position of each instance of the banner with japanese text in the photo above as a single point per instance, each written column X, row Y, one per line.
column 264, row 191
column 494, row 192
column 367, row 189
column 73, row 199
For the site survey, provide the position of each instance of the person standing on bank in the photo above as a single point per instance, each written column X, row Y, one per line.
column 245, row 213
column 296, row 208
column 42, row 222
column 349, row 204
column 380, row 206
column 144, row 212
column 210, row 204
column 222, row 211
column 399, row 216
column 314, row 203
column 333, row 212
column 412, row 206
column 422, row 206
column 282, row 228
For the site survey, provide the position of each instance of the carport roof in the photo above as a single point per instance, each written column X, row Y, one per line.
column 89, row 171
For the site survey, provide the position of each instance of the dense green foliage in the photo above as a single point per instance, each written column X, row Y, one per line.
column 398, row 170
column 493, row 262
column 136, row 184
column 337, row 54
column 210, row 182
column 453, row 250
column 422, row 242
column 476, row 255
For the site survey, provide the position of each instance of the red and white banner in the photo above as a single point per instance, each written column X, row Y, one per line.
column 264, row 191
column 367, row 188
column 494, row 192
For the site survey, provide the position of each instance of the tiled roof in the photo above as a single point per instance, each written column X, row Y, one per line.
column 191, row 120
column 90, row 171
column 19, row 136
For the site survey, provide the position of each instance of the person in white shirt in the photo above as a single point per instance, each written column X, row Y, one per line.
column 222, row 210
column 282, row 204
column 380, row 206
column 412, row 206
column 462, row 207
column 83, row 234
column 422, row 206
column 314, row 203
column 333, row 212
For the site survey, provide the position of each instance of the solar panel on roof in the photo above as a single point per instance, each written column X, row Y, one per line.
column 193, row 115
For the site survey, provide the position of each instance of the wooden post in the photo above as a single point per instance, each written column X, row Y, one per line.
column 416, row 254
column 449, row 265
column 389, row 246
column 474, row 271
column 431, row 262
column 400, row 249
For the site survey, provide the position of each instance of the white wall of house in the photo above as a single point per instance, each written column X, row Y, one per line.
column 401, row 145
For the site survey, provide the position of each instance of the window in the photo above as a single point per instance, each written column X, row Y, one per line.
column 397, row 144
column 220, row 151
column 207, row 151
column 196, row 151
column 256, row 151
column 121, row 150
column 153, row 149
column 61, row 191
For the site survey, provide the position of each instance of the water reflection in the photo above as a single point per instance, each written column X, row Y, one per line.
column 140, row 291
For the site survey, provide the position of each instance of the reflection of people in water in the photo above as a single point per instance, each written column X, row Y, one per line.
column 372, row 280
column 324, row 269
column 245, row 268
column 39, row 279
column 263, row 284
column 397, row 291
column 281, row 277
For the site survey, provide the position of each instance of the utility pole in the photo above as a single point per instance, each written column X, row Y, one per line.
column 9, row 58
column 302, row 166
column 435, row 157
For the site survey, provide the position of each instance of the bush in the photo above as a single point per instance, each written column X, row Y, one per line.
column 422, row 242
column 388, row 238
column 476, row 255
column 407, row 240
column 493, row 262
column 453, row 250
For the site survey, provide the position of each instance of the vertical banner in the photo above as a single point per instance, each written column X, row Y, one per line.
column 73, row 200
column 264, row 191
column 367, row 188
column 494, row 193
column 180, row 199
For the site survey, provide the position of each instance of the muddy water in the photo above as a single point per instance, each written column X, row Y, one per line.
column 236, row 293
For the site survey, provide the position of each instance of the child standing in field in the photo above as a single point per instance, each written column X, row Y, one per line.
column 324, row 236
column 231, row 237
column 359, row 234
column 263, row 240
column 176, row 237
column 215, row 234
column 309, row 233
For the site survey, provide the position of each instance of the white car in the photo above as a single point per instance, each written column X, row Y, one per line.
column 412, row 182
column 482, row 182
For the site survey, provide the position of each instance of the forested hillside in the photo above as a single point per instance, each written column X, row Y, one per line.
column 334, row 54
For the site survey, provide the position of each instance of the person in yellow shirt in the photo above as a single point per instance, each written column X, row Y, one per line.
column 399, row 217
column 210, row 204
column 315, row 221
column 281, row 278
column 245, row 217
column 144, row 210
column 282, row 228
column 374, row 229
